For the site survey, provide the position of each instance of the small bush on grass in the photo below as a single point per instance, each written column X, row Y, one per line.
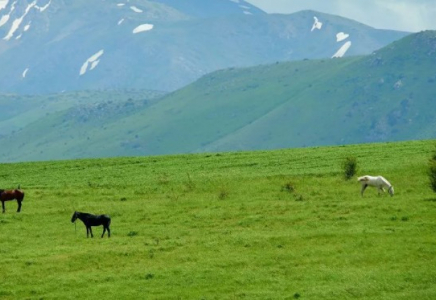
column 288, row 187
column 432, row 175
column 349, row 166
column 433, row 156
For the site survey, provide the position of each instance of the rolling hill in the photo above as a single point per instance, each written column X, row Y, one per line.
column 50, row 47
column 385, row 96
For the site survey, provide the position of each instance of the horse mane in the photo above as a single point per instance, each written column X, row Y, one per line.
column 385, row 181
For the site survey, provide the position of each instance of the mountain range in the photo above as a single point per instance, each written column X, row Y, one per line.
column 49, row 47
column 384, row 96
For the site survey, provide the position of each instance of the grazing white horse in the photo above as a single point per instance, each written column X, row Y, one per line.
column 376, row 181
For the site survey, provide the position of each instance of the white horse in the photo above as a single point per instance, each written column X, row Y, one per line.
column 376, row 181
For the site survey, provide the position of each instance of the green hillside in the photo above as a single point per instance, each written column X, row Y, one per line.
column 18, row 111
column 280, row 224
column 386, row 96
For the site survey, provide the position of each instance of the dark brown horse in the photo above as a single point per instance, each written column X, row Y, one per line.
column 7, row 195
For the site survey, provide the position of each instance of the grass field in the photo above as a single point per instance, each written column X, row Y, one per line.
column 278, row 224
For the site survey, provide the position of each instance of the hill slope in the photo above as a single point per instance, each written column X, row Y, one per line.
column 54, row 46
column 386, row 96
column 247, row 225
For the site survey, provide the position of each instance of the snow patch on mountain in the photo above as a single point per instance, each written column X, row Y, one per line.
column 341, row 52
column 142, row 28
column 4, row 19
column 42, row 8
column 17, row 22
column 341, row 36
column 3, row 4
column 246, row 9
column 317, row 24
column 91, row 62
column 135, row 9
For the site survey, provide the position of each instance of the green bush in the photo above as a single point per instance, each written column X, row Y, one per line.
column 433, row 157
column 432, row 175
column 349, row 167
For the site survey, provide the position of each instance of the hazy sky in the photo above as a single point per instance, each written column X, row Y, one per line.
column 406, row 15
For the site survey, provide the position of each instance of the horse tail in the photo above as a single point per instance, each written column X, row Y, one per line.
column 20, row 195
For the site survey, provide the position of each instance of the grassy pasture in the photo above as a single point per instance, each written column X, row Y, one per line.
column 278, row 224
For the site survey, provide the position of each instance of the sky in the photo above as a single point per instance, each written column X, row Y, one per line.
column 404, row 15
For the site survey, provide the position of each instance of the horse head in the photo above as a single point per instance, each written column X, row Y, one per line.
column 391, row 190
column 74, row 217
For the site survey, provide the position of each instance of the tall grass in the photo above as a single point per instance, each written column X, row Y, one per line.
column 245, row 225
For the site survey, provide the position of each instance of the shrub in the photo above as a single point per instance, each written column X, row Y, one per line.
column 349, row 167
column 432, row 175
column 288, row 187
column 223, row 194
column 433, row 156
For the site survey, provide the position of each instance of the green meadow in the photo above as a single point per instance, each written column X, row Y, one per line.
column 280, row 224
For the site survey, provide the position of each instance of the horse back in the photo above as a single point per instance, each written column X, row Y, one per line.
column 98, row 220
column 6, row 195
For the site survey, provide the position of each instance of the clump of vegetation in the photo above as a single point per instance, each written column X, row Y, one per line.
column 433, row 157
column 432, row 171
column 349, row 166
column 288, row 187
column 189, row 185
column 432, row 175
column 223, row 194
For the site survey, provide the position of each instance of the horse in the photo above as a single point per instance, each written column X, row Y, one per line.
column 93, row 220
column 376, row 181
column 7, row 195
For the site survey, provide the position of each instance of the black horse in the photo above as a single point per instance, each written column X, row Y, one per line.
column 93, row 220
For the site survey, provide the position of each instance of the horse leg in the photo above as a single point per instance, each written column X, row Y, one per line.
column 90, row 230
column 87, row 231
column 3, row 206
column 108, row 231
column 380, row 189
column 104, row 230
column 19, row 205
column 364, row 186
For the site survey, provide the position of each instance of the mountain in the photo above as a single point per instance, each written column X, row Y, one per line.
column 385, row 96
column 55, row 46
